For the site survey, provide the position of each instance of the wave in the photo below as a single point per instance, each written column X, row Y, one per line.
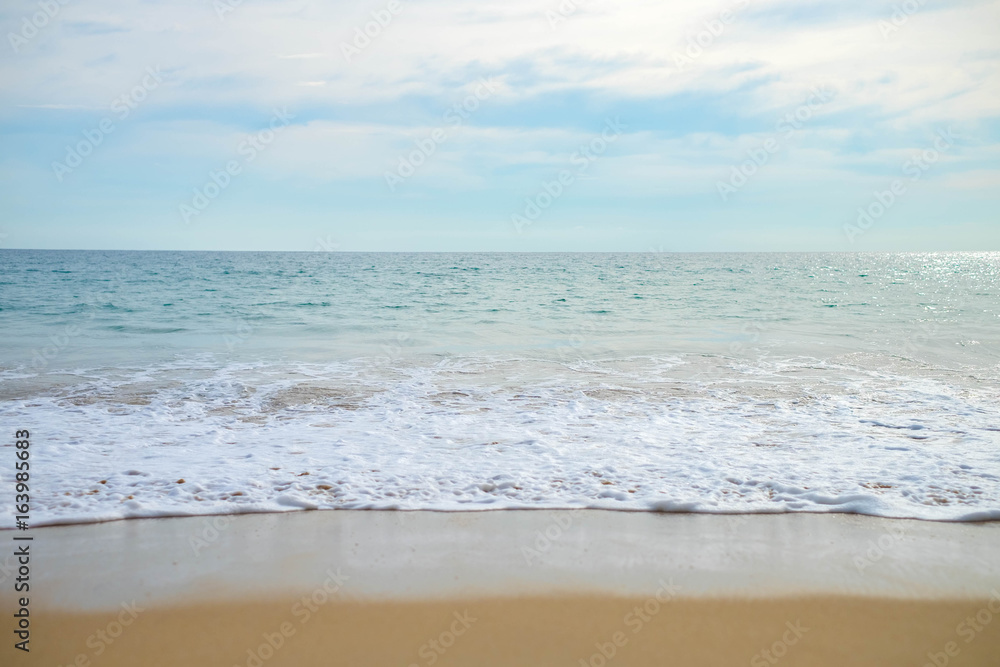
column 675, row 433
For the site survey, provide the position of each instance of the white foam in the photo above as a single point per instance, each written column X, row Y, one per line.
column 678, row 434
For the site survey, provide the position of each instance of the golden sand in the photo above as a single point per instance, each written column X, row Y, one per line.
column 830, row 631
column 514, row 588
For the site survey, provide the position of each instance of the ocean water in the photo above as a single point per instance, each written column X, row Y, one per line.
column 176, row 383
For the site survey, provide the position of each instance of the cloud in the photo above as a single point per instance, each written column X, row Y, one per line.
column 303, row 56
column 54, row 106
column 699, row 84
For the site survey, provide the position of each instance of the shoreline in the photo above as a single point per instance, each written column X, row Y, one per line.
column 374, row 587
column 987, row 516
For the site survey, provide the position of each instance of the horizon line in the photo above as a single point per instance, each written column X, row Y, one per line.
column 514, row 252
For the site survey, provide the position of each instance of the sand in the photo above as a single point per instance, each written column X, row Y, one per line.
column 512, row 588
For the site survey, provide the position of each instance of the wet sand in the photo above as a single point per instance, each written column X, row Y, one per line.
column 513, row 588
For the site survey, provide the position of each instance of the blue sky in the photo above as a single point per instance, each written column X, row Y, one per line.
column 565, row 125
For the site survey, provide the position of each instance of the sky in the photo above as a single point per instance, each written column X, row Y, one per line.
column 438, row 125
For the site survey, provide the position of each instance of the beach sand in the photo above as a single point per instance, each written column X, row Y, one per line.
column 513, row 588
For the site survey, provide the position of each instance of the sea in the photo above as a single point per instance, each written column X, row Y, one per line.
column 195, row 383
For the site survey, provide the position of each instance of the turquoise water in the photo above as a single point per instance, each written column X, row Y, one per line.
column 699, row 382
column 153, row 306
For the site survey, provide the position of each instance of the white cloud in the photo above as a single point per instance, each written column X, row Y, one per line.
column 303, row 56
column 942, row 64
